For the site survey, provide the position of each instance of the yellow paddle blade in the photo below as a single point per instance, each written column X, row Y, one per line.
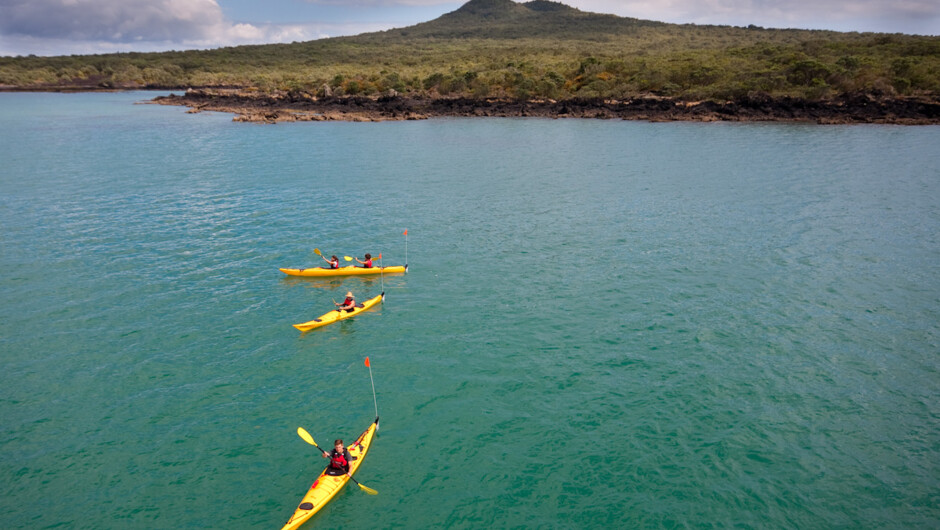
column 317, row 252
column 347, row 258
column 370, row 491
column 306, row 436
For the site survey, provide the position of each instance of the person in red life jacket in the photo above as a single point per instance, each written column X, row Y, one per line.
column 348, row 304
column 339, row 460
column 367, row 264
column 333, row 261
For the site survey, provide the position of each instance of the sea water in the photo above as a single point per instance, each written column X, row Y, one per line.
column 605, row 324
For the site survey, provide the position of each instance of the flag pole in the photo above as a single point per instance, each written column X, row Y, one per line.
column 374, row 401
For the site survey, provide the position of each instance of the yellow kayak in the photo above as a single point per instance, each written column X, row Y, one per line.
column 351, row 270
column 336, row 315
column 327, row 486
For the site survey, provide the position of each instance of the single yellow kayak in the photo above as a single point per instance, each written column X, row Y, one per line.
column 327, row 486
column 351, row 270
column 336, row 315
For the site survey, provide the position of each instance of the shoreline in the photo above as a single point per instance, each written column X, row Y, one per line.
column 254, row 107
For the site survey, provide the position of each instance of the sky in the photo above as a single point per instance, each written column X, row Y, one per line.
column 67, row 27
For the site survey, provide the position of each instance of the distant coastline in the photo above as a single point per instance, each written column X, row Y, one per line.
column 538, row 58
column 256, row 107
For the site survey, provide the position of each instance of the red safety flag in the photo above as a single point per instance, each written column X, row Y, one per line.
column 406, row 232
column 380, row 255
column 367, row 362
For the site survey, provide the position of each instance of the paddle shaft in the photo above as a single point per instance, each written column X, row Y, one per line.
column 347, row 473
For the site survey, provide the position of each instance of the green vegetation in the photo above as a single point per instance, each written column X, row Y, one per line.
column 497, row 48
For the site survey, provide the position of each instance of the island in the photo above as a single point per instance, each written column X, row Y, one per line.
column 533, row 59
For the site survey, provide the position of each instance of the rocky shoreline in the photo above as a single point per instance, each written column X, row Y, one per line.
column 256, row 107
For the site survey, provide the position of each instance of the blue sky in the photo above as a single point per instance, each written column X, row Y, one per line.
column 65, row 27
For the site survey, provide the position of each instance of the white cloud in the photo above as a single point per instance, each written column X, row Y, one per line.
column 54, row 27
column 383, row 3
column 110, row 20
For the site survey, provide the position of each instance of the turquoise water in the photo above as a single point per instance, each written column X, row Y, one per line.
column 605, row 323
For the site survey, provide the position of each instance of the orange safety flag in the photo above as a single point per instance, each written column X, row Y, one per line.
column 380, row 255
column 406, row 232
column 367, row 362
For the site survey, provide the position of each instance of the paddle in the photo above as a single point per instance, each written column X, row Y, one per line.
column 347, row 258
column 309, row 439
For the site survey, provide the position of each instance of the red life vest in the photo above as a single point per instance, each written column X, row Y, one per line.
column 338, row 460
column 349, row 301
column 368, row 264
column 334, row 264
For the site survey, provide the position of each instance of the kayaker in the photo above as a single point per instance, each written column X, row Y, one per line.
column 339, row 460
column 348, row 304
column 333, row 261
column 367, row 264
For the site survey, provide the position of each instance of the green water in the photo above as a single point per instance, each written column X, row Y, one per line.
column 605, row 324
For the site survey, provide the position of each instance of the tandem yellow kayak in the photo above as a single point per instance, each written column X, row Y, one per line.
column 327, row 486
column 336, row 315
column 319, row 272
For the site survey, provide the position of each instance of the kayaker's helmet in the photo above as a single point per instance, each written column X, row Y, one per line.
column 349, row 295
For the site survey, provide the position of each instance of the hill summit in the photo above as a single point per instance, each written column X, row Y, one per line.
column 508, row 8
column 505, row 19
column 491, row 8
